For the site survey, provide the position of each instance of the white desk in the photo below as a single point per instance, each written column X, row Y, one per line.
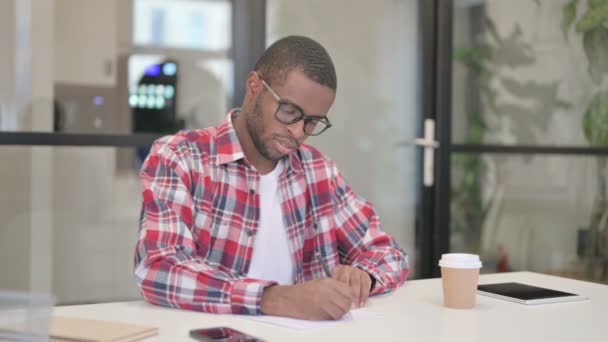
column 415, row 312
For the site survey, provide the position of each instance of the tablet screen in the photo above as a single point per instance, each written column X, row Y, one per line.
column 522, row 291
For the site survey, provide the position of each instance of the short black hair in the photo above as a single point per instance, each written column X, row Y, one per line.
column 293, row 52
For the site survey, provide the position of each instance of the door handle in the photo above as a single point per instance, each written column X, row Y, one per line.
column 429, row 144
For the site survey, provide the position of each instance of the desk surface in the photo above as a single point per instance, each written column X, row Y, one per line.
column 414, row 312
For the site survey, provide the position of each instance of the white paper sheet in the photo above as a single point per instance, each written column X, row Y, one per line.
column 358, row 315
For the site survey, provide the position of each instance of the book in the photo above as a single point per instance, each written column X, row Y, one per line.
column 79, row 329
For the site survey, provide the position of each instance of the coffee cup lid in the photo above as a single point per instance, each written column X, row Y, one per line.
column 460, row 260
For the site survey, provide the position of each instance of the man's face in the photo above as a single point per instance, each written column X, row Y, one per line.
column 273, row 139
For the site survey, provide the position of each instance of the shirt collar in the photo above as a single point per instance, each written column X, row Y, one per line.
column 227, row 142
column 229, row 148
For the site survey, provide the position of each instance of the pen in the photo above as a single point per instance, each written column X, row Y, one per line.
column 324, row 265
column 321, row 256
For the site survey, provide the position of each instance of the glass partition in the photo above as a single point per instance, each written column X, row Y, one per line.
column 157, row 66
column 69, row 222
column 529, row 73
column 532, row 213
column 375, row 49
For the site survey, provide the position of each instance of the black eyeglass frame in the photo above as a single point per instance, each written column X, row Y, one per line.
column 303, row 116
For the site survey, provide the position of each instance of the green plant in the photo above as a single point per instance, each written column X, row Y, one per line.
column 468, row 208
column 593, row 27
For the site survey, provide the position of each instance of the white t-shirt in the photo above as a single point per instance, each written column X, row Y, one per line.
column 271, row 259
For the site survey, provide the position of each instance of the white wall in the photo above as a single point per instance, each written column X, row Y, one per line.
column 374, row 46
column 26, row 227
column 86, row 41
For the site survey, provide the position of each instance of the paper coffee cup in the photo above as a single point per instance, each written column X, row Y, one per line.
column 459, row 274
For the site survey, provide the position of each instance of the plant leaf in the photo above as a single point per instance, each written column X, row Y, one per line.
column 568, row 16
column 595, row 3
column 595, row 121
column 473, row 57
column 594, row 18
column 595, row 43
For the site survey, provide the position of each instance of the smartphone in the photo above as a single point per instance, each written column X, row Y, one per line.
column 223, row 334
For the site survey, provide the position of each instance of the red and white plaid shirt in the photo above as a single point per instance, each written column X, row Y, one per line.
column 201, row 210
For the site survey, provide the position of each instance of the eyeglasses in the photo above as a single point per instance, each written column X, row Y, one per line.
column 289, row 113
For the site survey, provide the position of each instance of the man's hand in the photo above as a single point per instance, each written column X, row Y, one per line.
column 320, row 299
column 358, row 280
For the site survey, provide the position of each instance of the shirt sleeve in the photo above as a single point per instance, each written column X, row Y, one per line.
column 361, row 241
column 168, row 270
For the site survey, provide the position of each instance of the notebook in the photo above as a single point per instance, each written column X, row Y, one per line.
column 86, row 330
column 527, row 294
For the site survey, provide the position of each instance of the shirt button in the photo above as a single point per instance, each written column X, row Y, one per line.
column 249, row 232
column 251, row 191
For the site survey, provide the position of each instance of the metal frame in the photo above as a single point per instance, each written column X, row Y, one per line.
column 441, row 231
column 248, row 41
column 529, row 149
column 432, row 229
column 67, row 139
column 424, row 218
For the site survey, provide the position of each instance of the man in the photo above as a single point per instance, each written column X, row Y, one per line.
column 245, row 218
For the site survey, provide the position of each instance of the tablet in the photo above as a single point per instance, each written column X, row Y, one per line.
column 527, row 294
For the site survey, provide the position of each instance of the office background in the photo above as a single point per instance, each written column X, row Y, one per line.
column 518, row 180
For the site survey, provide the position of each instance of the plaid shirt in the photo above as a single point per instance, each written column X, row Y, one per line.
column 201, row 210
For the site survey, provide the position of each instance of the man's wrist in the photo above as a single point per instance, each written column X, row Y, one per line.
column 271, row 300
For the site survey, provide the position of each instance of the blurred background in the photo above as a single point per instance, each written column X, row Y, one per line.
column 517, row 91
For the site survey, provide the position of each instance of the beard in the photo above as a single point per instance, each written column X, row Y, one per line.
column 255, row 127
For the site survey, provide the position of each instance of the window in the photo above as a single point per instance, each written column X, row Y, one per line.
column 186, row 24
